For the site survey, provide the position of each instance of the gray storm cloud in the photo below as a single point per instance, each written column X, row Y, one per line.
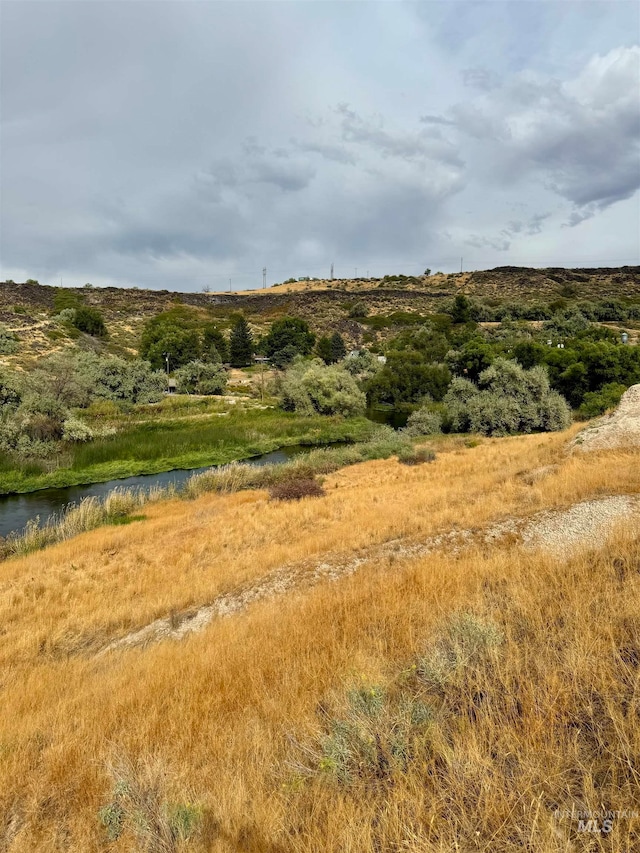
column 180, row 144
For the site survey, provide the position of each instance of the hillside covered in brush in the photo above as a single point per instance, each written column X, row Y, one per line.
column 364, row 311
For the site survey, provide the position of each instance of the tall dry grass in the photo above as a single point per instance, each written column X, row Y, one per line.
column 94, row 512
column 236, row 722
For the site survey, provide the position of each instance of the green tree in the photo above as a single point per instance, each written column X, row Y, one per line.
column 406, row 378
column 171, row 334
column 474, row 357
column 529, row 353
column 240, row 344
column 338, row 348
column 324, row 350
column 214, row 344
column 290, row 335
column 180, row 346
column 597, row 402
column 461, row 311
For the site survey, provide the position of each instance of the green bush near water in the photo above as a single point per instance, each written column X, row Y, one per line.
column 313, row 387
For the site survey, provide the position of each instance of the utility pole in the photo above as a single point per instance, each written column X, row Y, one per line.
column 264, row 277
column 332, row 271
column 229, row 285
column 461, row 264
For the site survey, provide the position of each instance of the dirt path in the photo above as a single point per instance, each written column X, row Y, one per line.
column 560, row 532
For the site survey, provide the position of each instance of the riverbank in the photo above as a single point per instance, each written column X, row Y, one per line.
column 119, row 504
column 151, row 442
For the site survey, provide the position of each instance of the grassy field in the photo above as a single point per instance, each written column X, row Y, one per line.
column 467, row 699
column 153, row 439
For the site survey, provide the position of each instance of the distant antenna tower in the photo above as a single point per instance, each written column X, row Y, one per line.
column 332, row 272
column 264, row 277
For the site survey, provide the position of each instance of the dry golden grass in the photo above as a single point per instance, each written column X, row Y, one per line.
column 226, row 718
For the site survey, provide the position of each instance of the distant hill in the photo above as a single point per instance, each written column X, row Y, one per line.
column 27, row 308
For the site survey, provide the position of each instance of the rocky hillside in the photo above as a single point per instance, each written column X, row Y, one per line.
column 27, row 308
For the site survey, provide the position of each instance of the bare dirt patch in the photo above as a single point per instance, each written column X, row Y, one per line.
column 559, row 532
column 619, row 429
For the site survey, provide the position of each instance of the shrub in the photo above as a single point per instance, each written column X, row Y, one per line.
column 294, row 490
column 377, row 733
column 140, row 806
column 42, row 427
column 424, row 421
column 73, row 429
column 90, row 321
column 358, row 310
column 417, row 456
column 65, row 298
column 314, row 388
column 507, row 399
column 8, row 341
column 597, row 402
column 77, row 379
column 67, row 316
column 198, row 377
column 464, row 641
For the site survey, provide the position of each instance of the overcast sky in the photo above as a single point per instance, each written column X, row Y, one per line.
column 179, row 144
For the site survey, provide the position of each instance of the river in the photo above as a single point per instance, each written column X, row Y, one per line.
column 17, row 510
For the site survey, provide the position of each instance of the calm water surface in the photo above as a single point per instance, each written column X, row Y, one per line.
column 17, row 510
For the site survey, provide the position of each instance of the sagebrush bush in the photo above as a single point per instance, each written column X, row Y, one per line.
column 416, row 456
column 295, row 490
column 424, row 421
column 140, row 807
column 8, row 341
column 378, row 733
column 73, row 429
